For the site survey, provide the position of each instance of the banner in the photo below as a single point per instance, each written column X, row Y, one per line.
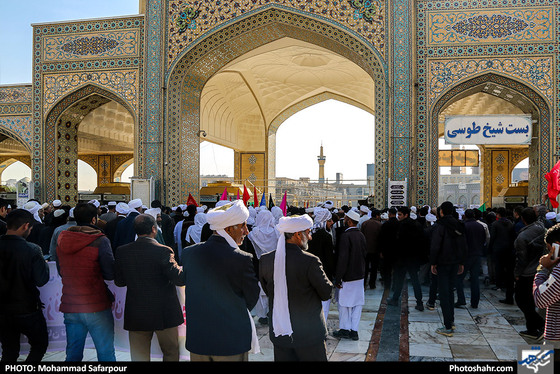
column 50, row 296
column 489, row 129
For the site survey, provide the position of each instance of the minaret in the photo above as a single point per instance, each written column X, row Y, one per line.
column 321, row 160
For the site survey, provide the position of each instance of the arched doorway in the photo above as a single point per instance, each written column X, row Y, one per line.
column 97, row 139
column 507, row 95
column 238, row 41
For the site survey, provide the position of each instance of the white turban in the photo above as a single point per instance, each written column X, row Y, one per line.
column 328, row 204
column 231, row 214
column 353, row 215
column 94, row 202
column 57, row 203
column 322, row 215
column 364, row 209
column 33, row 207
column 281, row 311
column 57, row 213
column 431, row 218
column 112, row 203
column 153, row 212
column 550, row 215
column 123, row 208
column 136, row 203
column 71, row 213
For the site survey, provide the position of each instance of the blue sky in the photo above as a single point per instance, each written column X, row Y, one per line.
column 16, row 32
column 346, row 132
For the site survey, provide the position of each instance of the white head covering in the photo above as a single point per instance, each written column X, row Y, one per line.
column 153, row 212
column 122, row 208
column 57, row 213
column 264, row 235
column 364, row 209
column 71, row 213
column 194, row 231
column 328, row 204
column 322, row 215
column 230, row 214
column 112, row 203
column 550, row 215
column 413, row 215
column 353, row 215
column 136, row 203
column 56, row 203
column 280, row 311
column 94, row 202
column 431, row 218
column 252, row 216
column 277, row 213
column 33, row 207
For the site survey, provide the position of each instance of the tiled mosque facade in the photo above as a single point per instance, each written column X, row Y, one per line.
column 422, row 56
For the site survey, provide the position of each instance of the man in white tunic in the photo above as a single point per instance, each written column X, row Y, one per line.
column 349, row 277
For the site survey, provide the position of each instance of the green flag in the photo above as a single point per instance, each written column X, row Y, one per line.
column 482, row 208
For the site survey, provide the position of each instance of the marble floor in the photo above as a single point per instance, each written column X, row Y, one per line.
column 488, row 333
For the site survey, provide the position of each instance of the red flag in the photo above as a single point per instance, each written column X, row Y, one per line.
column 191, row 200
column 284, row 204
column 246, row 196
column 224, row 195
column 255, row 197
column 238, row 197
column 553, row 184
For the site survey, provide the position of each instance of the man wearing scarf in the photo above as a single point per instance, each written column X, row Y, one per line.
column 349, row 277
column 322, row 246
column 296, row 285
column 220, row 289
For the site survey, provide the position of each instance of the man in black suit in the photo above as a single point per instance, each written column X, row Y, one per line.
column 296, row 284
column 150, row 273
column 220, row 289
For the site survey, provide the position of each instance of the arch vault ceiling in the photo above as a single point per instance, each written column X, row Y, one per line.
column 239, row 103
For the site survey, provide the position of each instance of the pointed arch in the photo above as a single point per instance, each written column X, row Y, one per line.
column 195, row 66
column 59, row 164
column 538, row 106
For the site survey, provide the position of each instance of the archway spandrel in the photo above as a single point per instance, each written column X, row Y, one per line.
column 190, row 23
column 535, row 71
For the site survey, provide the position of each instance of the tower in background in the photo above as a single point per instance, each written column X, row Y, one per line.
column 321, row 160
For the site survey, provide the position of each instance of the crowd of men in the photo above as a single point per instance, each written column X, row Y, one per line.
column 284, row 267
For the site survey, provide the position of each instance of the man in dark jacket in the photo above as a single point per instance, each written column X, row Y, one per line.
column 150, row 273
column 299, row 308
column 220, row 289
column 371, row 229
column 447, row 257
column 387, row 240
column 502, row 235
column 529, row 247
column 411, row 246
column 85, row 260
column 476, row 239
column 349, row 277
column 22, row 270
